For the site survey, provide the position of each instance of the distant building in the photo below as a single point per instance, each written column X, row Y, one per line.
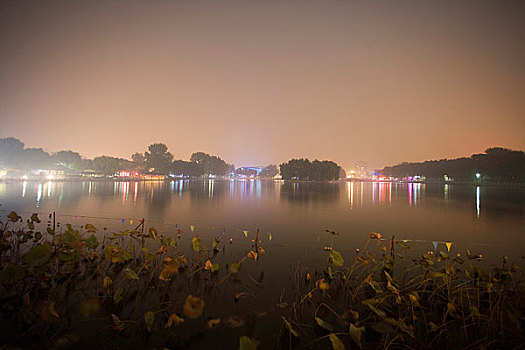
column 361, row 168
column 250, row 171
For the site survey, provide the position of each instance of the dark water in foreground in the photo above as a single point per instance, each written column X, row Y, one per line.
column 485, row 219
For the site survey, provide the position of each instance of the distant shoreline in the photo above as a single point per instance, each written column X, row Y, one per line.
column 427, row 182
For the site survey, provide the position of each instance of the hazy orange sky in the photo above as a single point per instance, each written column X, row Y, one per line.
column 260, row 82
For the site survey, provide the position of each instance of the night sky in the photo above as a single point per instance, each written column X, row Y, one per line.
column 260, row 82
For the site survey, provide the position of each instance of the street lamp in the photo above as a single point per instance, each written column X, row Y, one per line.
column 478, row 176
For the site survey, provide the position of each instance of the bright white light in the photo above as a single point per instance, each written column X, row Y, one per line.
column 477, row 200
column 50, row 177
column 478, row 176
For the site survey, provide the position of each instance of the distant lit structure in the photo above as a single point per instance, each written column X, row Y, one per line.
column 378, row 176
column 248, row 172
column 352, row 174
column 127, row 173
column 361, row 168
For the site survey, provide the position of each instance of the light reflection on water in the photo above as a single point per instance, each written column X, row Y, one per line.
column 296, row 213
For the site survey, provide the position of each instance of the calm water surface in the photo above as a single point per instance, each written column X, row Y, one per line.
column 488, row 220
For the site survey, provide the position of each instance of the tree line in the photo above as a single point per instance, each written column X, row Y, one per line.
column 303, row 169
column 496, row 164
column 156, row 159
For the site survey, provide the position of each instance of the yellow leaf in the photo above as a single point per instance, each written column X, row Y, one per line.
column 451, row 308
column 196, row 243
column 171, row 267
column 337, row 344
column 413, row 298
column 208, row 265
column 322, row 285
column 193, row 307
column 174, row 319
column 106, row 282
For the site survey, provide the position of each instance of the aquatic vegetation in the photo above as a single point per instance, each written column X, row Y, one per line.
column 79, row 285
column 383, row 300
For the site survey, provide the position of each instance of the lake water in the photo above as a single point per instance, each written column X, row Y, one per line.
column 485, row 219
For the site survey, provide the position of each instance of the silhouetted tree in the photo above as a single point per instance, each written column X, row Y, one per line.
column 36, row 158
column 158, row 158
column 269, row 171
column 11, row 151
column 211, row 164
column 138, row 158
column 181, row 167
column 303, row 169
column 496, row 164
column 111, row 165
column 68, row 159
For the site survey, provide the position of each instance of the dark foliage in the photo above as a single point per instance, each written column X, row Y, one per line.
column 496, row 164
column 303, row 169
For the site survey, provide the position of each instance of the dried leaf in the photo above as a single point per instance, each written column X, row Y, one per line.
column 193, row 307
column 234, row 322
column 171, row 266
column 322, row 285
column 174, row 319
column 213, row 322
column 13, row 216
column 252, row 255
column 106, row 282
